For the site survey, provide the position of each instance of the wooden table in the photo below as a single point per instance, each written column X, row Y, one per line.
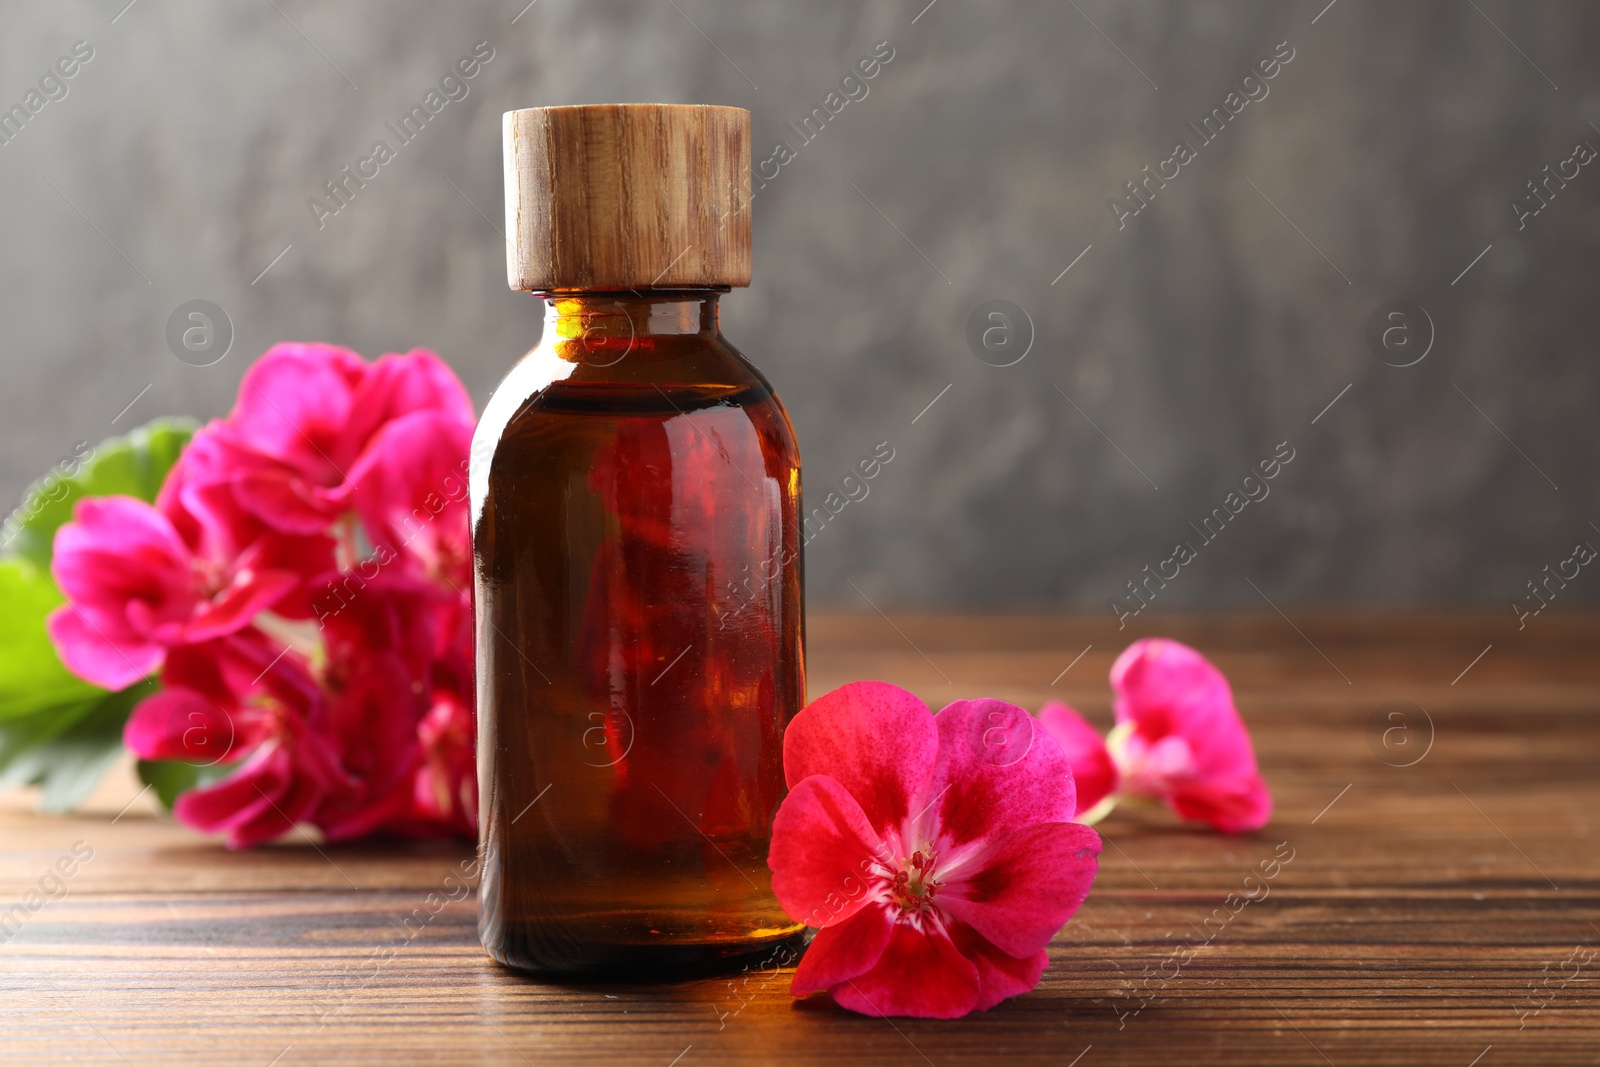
column 1446, row 912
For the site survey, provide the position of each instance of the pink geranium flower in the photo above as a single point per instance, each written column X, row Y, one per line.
column 358, row 744
column 935, row 853
column 239, row 702
column 1093, row 770
column 305, row 417
column 303, row 583
column 411, row 493
column 137, row 587
column 1178, row 740
column 445, row 788
column 380, row 652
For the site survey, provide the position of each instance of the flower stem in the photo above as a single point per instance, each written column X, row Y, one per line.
column 346, row 551
column 1099, row 811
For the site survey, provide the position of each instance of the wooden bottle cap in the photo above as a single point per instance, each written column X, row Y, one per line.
column 627, row 196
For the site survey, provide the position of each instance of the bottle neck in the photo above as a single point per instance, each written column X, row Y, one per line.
column 608, row 318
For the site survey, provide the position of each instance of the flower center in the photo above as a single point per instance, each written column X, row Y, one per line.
column 209, row 577
column 915, row 885
column 1146, row 769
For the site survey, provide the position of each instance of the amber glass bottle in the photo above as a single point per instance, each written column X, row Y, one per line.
column 636, row 502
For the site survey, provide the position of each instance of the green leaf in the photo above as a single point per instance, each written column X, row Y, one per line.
column 19, row 735
column 32, row 678
column 68, row 762
column 134, row 465
column 172, row 777
column 56, row 730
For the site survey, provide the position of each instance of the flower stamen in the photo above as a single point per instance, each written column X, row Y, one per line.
column 914, row 885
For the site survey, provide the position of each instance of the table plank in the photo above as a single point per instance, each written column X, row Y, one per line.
column 1420, row 905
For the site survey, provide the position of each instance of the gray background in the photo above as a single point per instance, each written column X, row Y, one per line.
column 1195, row 339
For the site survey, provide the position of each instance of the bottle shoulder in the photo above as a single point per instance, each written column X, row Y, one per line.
column 662, row 377
column 644, row 375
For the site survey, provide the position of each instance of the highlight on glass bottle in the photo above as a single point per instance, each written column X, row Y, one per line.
column 636, row 527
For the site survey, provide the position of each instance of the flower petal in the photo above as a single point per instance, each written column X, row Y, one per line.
column 1023, row 888
column 875, row 739
column 261, row 800
column 303, row 558
column 231, row 670
column 87, row 652
column 1238, row 808
column 120, row 526
column 998, row 771
column 127, row 573
column 843, row 952
column 237, row 605
column 822, row 854
column 921, row 974
column 196, row 497
column 182, row 724
column 372, row 721
column 234, row 800
column 397, row 385
column 411, row 491
column 1169, row 690
column 1000, row 976
column 1165, row 687
column 295, row 402
column 276, row 496
column 1093, row 772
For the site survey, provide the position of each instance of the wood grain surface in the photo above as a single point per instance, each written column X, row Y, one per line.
column 1446, row 912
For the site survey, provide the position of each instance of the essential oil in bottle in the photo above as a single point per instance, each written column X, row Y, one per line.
column 636, row 531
